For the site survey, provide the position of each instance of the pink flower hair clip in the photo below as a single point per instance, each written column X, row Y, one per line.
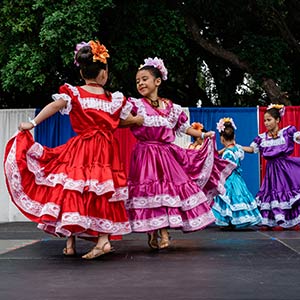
column 221, row 124
column 156, row 63
column 77, row 48
column 280, row 108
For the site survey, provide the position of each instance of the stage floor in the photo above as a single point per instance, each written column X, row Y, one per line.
column 209, row 264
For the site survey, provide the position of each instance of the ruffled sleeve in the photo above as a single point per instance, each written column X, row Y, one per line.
column 240, row 153
column 228, row 155
column 64, row 94
column 126, row 109
column 293, row 133
column 134, row 107
column 182, row 124
column 255, row 144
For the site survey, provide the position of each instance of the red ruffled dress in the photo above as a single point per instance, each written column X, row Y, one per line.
column 77, row 188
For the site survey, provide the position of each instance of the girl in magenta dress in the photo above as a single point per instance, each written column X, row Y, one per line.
column 169, row 187
column 279, row 195
column 78, row 188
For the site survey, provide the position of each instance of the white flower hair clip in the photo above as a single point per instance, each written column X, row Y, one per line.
column 156, row 63
column 280, row 108
column 221, row 124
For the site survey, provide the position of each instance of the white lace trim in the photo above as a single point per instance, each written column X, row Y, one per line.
column 183, row 129
column 155, row 201
column 174, row 221
column 255, row 147
column 65, row 110
column 91, row 102
column 166, row 200
column 19, row 197
column 121, row 194
column 36, row 151
column 207, row 166
column 239, row 154
column 233, row 207
column 277, row 204
column 95, row 224
column 35, row 208
column 127, row 108
column 273, row 142
column 254, row 220
column 168, row 121
column 296, row 135
column 280, row 220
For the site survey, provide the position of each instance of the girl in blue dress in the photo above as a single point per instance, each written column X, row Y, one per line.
column 236, row 208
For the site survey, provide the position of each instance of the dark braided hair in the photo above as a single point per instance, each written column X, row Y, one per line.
column 89, row 68
column 274, row 112
column 228, row 132
column 154, row 71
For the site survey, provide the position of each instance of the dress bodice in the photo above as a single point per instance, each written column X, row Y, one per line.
column 281, row 146
column 89, row 111
column 159, row 125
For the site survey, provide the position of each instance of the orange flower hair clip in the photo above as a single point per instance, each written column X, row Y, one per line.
column 197, row 126
column 100, row 52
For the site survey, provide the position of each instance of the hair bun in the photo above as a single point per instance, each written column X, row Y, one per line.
column 85, row 55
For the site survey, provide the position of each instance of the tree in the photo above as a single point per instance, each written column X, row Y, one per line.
column 257, row 40
column 249, row 40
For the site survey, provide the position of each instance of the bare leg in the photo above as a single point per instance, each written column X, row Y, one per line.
column 69, row 250
column 165, row 241
column 153, row 239
column 102, row 247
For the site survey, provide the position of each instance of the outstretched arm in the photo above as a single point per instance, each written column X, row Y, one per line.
column 248, row 149
column 132, row 120
column 193, row 132
column 44, row 114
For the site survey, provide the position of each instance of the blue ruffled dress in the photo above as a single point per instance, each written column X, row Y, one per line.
column 237, row 207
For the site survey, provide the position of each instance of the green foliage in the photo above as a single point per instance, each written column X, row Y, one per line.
column 38, row 39
column 145, row 30
column 24, row 69
column 266, row 55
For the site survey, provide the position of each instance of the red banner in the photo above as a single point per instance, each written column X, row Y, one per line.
column 291, row 117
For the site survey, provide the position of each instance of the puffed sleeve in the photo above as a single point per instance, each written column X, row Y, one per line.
column 293, row 133
column 126, row 109
column 134, row 107
column 182, row 124
column 228, row 155
column 64, row 93
column 255, row 144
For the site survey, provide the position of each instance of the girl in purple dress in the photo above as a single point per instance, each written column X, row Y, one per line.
column 169, row 187
column 279, row 194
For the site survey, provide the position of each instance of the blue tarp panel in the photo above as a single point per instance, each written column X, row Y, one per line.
column 54, row 131
column 245, row 120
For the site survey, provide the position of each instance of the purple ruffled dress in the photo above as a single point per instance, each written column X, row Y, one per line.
column 171, row 187
column 279, row 195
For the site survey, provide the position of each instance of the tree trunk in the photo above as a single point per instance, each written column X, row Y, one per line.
column 274, row 92
column 271, row 88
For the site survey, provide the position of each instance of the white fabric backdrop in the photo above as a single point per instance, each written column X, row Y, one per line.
column 184, row 140
column 9, row 121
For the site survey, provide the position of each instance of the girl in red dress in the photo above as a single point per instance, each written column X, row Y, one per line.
column 78, row 188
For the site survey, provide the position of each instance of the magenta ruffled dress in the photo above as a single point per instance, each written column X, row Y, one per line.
column 171, row 187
